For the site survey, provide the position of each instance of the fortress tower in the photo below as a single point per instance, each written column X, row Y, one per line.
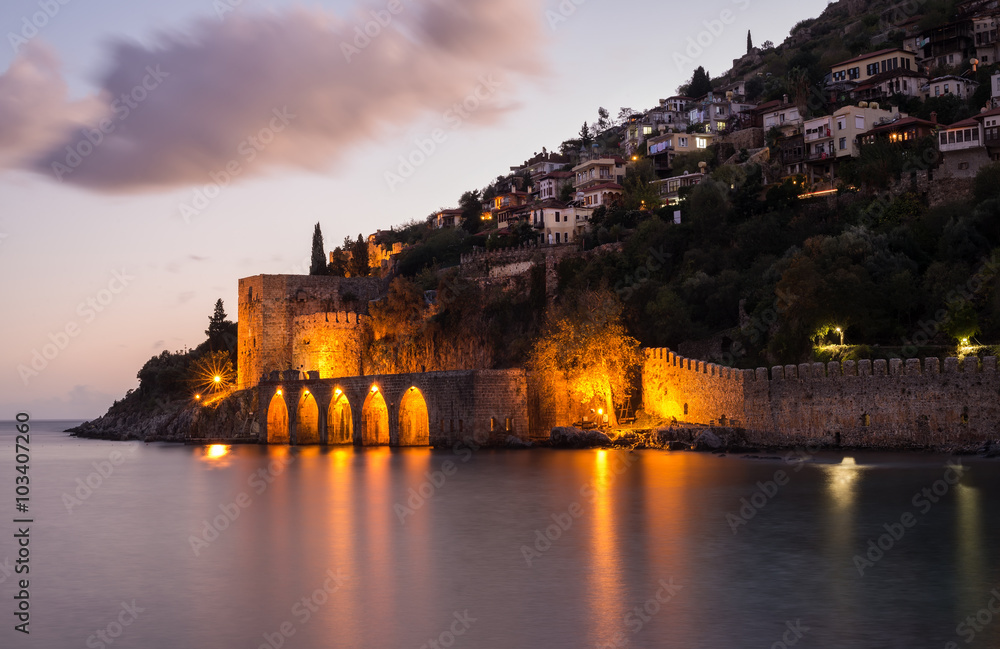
column 301, row 322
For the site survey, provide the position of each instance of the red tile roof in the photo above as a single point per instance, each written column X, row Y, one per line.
column 610, row 186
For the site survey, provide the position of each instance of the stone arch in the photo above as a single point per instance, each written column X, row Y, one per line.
column 340, row 420
column 414, row 424
column 277, row 420
column 375, row 419
column 307, row 420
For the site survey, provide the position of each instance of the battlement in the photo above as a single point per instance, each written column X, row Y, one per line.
column 277, row 313
column 865, row 403
column 523, row 252
column 834, row 369
column 665, row 357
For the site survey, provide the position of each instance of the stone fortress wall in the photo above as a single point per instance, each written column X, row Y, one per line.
column 864, row 403
column 300, row 321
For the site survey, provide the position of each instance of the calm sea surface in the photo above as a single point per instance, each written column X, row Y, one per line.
column 331, row 548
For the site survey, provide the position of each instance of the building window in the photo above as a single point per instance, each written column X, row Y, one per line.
column 843, row 144
column 944, row 138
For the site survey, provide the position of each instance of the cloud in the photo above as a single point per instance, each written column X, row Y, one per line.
column 35, row 111
column 176, row 111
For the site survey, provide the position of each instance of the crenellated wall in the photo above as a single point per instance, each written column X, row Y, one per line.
column 269, row 306
column 328, row 343
column 864, row 403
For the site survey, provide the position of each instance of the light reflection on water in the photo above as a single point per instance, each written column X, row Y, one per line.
column 418, row 547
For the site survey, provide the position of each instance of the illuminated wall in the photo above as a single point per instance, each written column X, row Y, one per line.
column 858, row 403
column 269, row 306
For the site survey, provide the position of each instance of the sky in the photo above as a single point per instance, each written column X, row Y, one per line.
column 151, row 154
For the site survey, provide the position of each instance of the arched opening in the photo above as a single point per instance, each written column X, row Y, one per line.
column 277, row 420
column 375, row 420
column 414, row 425
column 307, row 420
column 339, row 420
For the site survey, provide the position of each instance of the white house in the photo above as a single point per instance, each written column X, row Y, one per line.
column 951, row 85
column 550, row 185
column 560, row 223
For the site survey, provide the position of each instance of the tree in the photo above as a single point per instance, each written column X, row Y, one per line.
column 338, row 263
column 585, row 138
column 603, row 119
column 318, row 264
column 640, row 193
column 358, row 266
column 471, row 204
column 700, row 84
column 567, row 193
column 749, row 43
column 987, row 184
column 221, row 332
column 586, row 342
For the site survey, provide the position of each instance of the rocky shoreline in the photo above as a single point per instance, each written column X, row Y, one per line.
column 175, row 421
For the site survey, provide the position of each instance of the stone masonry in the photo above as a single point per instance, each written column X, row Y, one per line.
column 300, row 322
column 864, row 404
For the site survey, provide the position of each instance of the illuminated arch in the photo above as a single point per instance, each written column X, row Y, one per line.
column 307, row 420
column 339, row 420
column 277, row 420
column 414, row 426
column 375, row 419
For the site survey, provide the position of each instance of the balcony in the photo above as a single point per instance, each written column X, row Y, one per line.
column 821, row 155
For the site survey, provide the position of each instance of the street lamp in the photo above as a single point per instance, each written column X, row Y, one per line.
column 841, row 332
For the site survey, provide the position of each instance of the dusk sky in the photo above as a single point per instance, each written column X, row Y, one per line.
column 114, row 241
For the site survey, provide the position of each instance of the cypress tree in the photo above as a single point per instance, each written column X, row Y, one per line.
column 318, row 264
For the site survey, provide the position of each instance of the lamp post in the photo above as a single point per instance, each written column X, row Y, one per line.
column 841, row 332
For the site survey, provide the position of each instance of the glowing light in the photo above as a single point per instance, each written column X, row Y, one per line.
column 197, row 397
column 306, row 392
column 374, row 388
column 600, row 411
column 338, row 392
column 841, row 481
column 825, row 192
column 212, row 376
column 216, row 451
column 279, row 393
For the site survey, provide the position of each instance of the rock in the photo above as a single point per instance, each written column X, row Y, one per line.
column 516, row 442
column 707, row 441
column 568, row 437
column 679, row 446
